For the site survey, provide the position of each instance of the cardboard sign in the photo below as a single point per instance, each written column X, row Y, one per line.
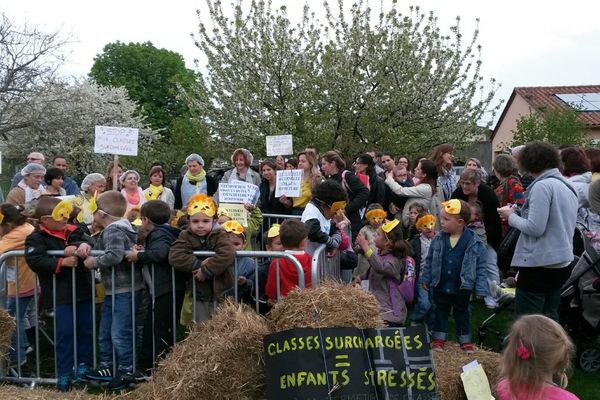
column 289, row 183
column 236, row 212
column 116, row 140
column 280, row 145
column 238, row 192
column 350, row 363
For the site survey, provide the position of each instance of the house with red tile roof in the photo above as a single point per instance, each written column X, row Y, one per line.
column 527, row 100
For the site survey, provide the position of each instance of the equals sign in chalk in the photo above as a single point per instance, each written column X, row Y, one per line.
column 341, row 361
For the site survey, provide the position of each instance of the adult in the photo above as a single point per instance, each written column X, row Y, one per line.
column 291, row 163
column 334, row 168
column 279, row 163
column 54, row 179
column 509, row 191
column 544, row 249
column 593, row 155
column 69, row 183
column 110, row 185
column 30, row 187
column 92, row 185
column 366, row 165
column 474, row 163
column 269, row 204
column 388, row 163
column 157, row 189
column 423, row 192
column 311, row 177
column 242, row 159
column 33, row 157
column 193, row 181
column 376, row 161
column 575, row 166
column 443, row 158
column 131, row 190
column 525, row 178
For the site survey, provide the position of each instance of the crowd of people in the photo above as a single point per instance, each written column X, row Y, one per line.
column 413, row 233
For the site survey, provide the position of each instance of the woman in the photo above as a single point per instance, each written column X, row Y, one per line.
column 292, row 163
column 544, row 250
column 54, row 179
column 423, row 192
column 509, row 191
column 279, row 163
column 443, row 157
column 269, row 204
column 157, row 189
column 194, row 181
column 365, row 165
column 241, row 159
column 311, row 177
column 30, row 187
column 474, row 163
column 576, row 168
column 92, row 185
column 131, row 190
column 594, row 156
column 109, row 176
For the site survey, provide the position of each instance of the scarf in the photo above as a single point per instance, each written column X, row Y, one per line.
column 154, row 192
column 195, row 179
column 30, row 193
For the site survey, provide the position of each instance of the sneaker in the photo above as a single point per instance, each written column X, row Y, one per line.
column 81, row 375
column 102, row 373
column 124, row 380
column 29, row 350
column 140, row 377
column 438, row 345
column 467, row 348
column 63, row 383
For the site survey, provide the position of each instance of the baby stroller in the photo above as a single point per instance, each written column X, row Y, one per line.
column 504, row 294
column 579, row 310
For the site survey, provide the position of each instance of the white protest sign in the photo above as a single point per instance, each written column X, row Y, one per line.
column 236, row 212
column 238, row 192
column 289, row 183
column 116, row 140
column 280, row 145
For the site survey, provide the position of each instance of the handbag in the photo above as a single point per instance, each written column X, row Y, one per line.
column 507, row 247
column 407, row 286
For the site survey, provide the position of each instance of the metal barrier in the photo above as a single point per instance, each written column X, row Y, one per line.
column 324, row 266
column 14, row 373
column 268, row 221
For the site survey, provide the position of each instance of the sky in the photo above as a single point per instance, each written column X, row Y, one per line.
column 524, row 42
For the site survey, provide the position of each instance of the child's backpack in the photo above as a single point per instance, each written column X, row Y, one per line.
column 407, row 286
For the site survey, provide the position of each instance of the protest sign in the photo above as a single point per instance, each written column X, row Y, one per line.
column 236, row 212
column 279, row 145
column 350, row 363
column 238, row 192
column 116, row 140
column 289, row 183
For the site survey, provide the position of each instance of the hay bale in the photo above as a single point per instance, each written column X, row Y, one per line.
column 220, row 359
column 20, row 393
column 7, row 326
column 448, row 366
column 332, row 304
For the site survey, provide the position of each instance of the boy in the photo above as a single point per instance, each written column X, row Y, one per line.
column 293, row 235
column 212, row 275
column 116, row 239
column 244, row 268
column 159, row 323
column 423, row 309
column 455, row 267
column 53, row 233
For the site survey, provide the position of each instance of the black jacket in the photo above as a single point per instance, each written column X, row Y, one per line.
column 211, row 189
column 358, row 197
column 377, row 190
column 37, row 244
column 269, row 204
column 156, row 254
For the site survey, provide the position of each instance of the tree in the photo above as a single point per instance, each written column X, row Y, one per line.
column 558, row 126
column 398, row 84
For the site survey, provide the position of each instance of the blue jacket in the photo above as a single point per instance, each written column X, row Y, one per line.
column 70, row 186
column 473, row 275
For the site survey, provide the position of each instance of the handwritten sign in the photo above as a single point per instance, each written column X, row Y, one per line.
column 289, row 183
column 349, row 363
column 116, row 140
column 238, row 192
column 236, row 212
column 280, row 145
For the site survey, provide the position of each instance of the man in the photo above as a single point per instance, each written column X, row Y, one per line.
column 69, row 183
column 516, row 154
column 34, row 157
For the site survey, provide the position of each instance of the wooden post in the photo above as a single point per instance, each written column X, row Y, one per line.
column 115, row 173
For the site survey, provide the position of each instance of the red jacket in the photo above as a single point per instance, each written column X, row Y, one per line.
column 288, row 275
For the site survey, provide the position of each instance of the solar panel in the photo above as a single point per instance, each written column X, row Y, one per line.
column 581, row 101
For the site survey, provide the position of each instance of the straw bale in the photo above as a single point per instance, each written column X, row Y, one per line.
column 20, row 393
column 331, row 304
column 7, row 326
column 448, row 366
column 220, row 359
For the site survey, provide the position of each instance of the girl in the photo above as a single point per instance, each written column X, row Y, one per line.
column 443, row 157
column 14, row 229
column 386, row 270
column 534, row 362
column 157, row 189
column 375, row 216
column 413, row 212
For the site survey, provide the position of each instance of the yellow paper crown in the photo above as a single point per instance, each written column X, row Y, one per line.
column 452, row 207
column 136, row 222
column 427, row 221
column 376, row 215
column 233, row 226
column 273, row 231
column 1, row 217
column 201, row 203
column 62, row 210
column 338, row 206
column 390, row 225
column 222, row 211
column 175, row 219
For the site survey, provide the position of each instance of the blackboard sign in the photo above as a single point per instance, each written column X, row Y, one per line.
column 349, row 363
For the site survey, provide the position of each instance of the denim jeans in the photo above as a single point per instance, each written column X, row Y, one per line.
column 537, row 303
column 11, row 305
column 65, row 335
column 116, row 330
column 492, row 272
column 424, row 309
column 459, row 305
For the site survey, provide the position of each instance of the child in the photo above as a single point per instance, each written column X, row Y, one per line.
column 455, row 267
column 14, row 229
column 413, row 212
column 53, row 233
column 534, row 362
column 243, row 267
column 116, row 331
column 476, row 222
column 375, row 216
column 386, row 271
column 293, row 235
column 211, row 275
column 255, row 220
column 423, row 309
column 160, row 320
